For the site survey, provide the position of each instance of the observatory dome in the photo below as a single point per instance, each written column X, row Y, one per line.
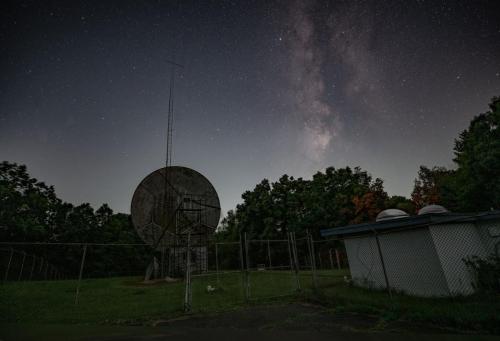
column 390, row 214
column 432, row 209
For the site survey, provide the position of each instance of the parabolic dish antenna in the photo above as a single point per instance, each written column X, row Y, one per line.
column 171, row 202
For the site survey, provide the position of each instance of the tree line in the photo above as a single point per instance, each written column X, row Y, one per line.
column 474, row 185
column 31, row 211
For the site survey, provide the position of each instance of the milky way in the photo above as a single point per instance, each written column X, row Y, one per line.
column 307, row 79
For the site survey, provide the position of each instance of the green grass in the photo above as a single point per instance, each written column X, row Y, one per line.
column 123, row 299
column 126, row 300
column 480, row 313
column 100, row 300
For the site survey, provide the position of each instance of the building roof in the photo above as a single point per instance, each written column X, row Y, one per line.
column 410, row 222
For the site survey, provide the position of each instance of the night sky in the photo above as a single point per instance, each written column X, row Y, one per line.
column 267, row 88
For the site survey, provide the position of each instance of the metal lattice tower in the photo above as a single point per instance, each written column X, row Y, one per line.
column 175, row 209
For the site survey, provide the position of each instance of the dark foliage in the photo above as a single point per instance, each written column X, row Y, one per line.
column 31, row 212
column 334, row 198
column 486, row 272
column 475, row 183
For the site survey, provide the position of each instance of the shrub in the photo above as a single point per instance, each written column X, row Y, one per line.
column 486, row 272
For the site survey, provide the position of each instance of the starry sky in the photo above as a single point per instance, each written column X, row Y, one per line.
column 267, row 88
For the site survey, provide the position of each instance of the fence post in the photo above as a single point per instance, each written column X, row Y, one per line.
column 41, row 265
column 187, row 292
column 248, row 267
column 331, row 258
column 312, row 259
column 46, row 270
column 313, row 255
column 170, row 261
column 337, row 256
column 217, row 263
column 269, row 255
column 81, row 273
column 243, row 279
column 293, row 264
column 383, row 264
column 8, row 264
column 162, row 263
column 295, row 257
column 33, row 262
column 289, row 252
column 22, row 266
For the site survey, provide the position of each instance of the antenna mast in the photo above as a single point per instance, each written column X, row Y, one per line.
column 169, row 205
column 170, row 113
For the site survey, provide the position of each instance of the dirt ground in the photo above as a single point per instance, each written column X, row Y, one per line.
column 294, row 321
column 283, row 317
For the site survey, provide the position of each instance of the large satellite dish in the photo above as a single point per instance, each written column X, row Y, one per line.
column 171, row 203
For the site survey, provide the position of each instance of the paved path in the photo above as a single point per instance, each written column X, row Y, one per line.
column 290, row 321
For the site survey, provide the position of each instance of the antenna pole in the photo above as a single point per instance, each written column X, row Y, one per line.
column 169, row 140
column 168, row 204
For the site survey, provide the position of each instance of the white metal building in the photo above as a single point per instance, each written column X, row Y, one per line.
column 423, row 255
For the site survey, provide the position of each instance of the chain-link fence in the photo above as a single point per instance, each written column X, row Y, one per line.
column 449, row 270
column 81, row 278
column 73, row 282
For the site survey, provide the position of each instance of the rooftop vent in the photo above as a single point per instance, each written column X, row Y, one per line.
column 432, row 209
column 390, row 214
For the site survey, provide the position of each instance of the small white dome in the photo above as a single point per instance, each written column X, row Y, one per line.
column 391, row 213
column 432, row 209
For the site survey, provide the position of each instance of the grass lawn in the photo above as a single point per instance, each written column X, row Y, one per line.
column 126, row 300
column 100, row 300
column 478, row 313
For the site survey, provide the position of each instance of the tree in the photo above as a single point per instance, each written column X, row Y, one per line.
column 400, row 203
column 370, row 203
column 31, row 212
column 28, row 207
column 334, row 198
column 477, row 155
column 433, row 186
column 228, row 228
column 475, row 184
